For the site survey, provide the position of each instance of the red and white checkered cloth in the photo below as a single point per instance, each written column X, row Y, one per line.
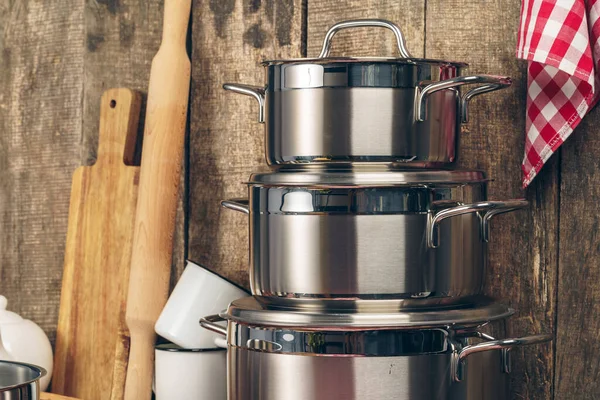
column 559, row 38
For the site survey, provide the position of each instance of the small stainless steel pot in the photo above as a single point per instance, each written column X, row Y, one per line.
column 281, row 353
column 367, row 235
column 352, row 110
column 19, row 381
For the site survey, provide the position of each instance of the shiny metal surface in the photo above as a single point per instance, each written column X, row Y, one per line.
column 367, row 243
column 488, row 208
column 250, row 310
column 326, row 306
column 363, row 124
column 493, row 83
column 503, row 344
column 19, row 381
column 319, row 125
column 440, row 181
column 254, row 375
column 361, row 23
column 354, row 110
column 364, row 256
column 257, row 93
column 448, row 362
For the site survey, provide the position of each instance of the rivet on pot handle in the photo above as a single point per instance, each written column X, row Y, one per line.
column 492, row 82
column 255, row 91
column 240, row 205
column 502, row 344
column 491, row 209
column 210, row 323
column 362, row 23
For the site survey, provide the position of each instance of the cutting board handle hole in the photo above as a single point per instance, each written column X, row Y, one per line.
column 113, row 103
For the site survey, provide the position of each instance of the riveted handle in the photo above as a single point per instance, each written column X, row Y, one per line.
column 500, row 207
column 210, row 323
column 490, row 209
column 490, row 83
column 502, row 344
column 254, row 91
column 364, row 23
column 241, row 205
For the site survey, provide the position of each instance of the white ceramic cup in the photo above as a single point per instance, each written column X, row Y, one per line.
column 198, row 293
column 182, row 374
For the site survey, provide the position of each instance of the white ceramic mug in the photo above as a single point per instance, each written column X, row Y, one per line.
column 198, row 293
column 182, row 374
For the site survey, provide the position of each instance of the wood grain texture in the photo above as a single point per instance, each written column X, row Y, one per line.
column 578, row 317
column 409, row 15
column 160, row 173
column 226, row 143
column 97, row 259
column 56, row 58
column 121, row 38
column 41, row 83
column 52, row 396
column 523, row 249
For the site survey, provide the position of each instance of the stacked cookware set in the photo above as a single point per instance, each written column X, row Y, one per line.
column 367, row 251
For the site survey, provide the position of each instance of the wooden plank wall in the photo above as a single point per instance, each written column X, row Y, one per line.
column 523, row 249
column 41, row 84
column 56, row 58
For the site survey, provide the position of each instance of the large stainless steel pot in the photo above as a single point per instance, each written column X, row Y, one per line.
column 369, row 234
column 19, row 381
column 351, row 110
column 276, row 354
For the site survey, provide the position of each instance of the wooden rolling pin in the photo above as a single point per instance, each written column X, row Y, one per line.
column 162, row 151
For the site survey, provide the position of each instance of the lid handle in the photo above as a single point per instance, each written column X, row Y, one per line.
column 362, row 23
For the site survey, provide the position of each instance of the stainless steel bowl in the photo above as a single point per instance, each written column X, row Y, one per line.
column 292, row 353
column 354, row 110
column 19, row 381
column 369, row 234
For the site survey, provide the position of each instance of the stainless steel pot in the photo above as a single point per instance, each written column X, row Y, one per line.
column 350, row 110
column 368, row 235
column 19, row 381
column 416, row 356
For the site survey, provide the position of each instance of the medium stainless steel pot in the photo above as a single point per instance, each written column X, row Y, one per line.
column 19, row 381
column 369, row 234
column 293, row 354
column 351, row 110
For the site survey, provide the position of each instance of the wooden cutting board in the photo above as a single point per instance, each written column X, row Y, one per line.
column 92, row 343
column 52, row 396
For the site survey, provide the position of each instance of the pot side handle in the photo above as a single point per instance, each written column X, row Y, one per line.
column 210, row 323
column 501, row 344
column 241, row 205
column 490, row 209
column 254, row 91
column 490, row 83
column 501, row 207
column 363, row 23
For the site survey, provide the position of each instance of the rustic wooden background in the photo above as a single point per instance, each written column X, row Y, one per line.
column 57, row 57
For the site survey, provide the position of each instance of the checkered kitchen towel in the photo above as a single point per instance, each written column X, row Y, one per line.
column 559, row 38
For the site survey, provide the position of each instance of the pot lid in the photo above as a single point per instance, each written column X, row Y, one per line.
column 252, row 311
column 8, row 317
column 388, row 72
column 367, row 60
column 365, row 177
